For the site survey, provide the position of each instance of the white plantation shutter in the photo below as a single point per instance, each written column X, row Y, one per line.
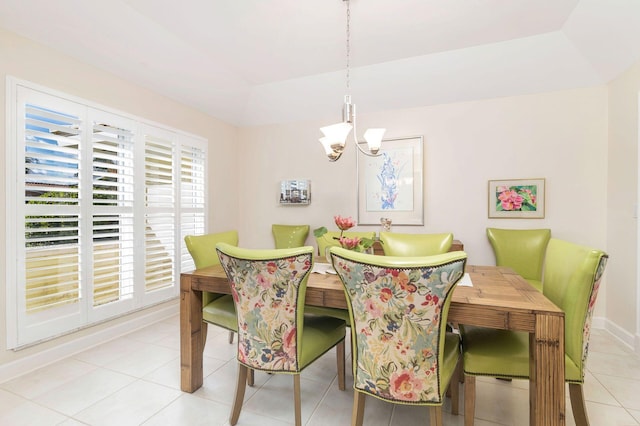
column 159, row 210
column 48, row 148
column 112, row 226
column 192, row 197
column 101, row 203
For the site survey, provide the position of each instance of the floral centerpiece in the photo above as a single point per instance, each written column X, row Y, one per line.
column 344, row 224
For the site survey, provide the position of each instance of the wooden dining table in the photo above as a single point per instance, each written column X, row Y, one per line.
column 498, row 298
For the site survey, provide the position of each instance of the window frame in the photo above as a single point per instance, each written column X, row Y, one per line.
column 88, row 314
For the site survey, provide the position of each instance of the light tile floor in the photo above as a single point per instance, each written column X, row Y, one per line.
column 135, row 380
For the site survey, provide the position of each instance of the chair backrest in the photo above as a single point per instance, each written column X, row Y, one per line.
column 522, row 250
column 268, row 288
column 398, row 308
column 289, row 236
column 395, row 244
column 572, row 276
column 330, row 239
column 203, row 247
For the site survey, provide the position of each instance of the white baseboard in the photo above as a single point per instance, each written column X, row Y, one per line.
column 599, row 322
column 633, row 342
column 29, row 363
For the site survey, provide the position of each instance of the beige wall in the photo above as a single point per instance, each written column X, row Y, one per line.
column 560, row 136
column 25, row 60
column 623, row 301
column 584, row 142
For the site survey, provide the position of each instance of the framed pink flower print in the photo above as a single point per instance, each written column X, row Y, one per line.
column 516, row 198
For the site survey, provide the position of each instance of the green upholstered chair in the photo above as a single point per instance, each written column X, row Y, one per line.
column 289, row 236
column 274, row 333
column 522, row 250
column 217, row 308
column 401, row 350
column 572, row 276
column 396, row 244
column 330, row 239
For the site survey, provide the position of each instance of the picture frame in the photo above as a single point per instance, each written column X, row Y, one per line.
column 517, row 198
column 390, row 185
column 295, row 192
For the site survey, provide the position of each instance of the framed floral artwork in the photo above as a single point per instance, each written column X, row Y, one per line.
column 516, row 199
column 390, row 184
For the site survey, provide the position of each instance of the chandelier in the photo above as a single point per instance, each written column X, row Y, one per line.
column 335, row 135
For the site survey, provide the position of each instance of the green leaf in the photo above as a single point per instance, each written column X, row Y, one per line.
column 525, row 197
column 319, row 232
column 366, row 242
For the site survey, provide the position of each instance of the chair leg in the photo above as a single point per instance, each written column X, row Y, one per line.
column 577, row 404
column 296, row 399
column 250, row 377
column 435, row 412
column 231, row 333
column 340, row 361
column 357, row 415
column 239, row 398
column 469, row 399
column 454, row 388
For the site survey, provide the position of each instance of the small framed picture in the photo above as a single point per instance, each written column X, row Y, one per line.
column 516, row 199
column 295, row 192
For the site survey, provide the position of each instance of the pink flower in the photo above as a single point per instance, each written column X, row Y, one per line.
column 263, row 282
column 510, row 200
column 344, row 223
column 372, row 309
column 289, row 341
column 405, row 386
column 272, row 267
column 531, row 196
column 349, row 243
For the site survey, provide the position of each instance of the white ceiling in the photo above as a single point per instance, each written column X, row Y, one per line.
column 252, row 62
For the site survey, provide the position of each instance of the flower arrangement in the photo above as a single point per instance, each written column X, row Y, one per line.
column 344, row 224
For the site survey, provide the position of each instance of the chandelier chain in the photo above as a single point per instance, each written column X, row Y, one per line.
column 348, row 47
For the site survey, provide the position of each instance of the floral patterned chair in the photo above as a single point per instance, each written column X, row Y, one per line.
column 274, row 334
column 572, row 275
column 398, row 307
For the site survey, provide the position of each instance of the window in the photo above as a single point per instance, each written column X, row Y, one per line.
column 97, row 215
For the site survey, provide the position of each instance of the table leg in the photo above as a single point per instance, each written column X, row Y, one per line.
column 546, row 386
column 191, row 343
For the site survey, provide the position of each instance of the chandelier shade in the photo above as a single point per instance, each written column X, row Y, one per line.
column 374, row 139
column 335, row 139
